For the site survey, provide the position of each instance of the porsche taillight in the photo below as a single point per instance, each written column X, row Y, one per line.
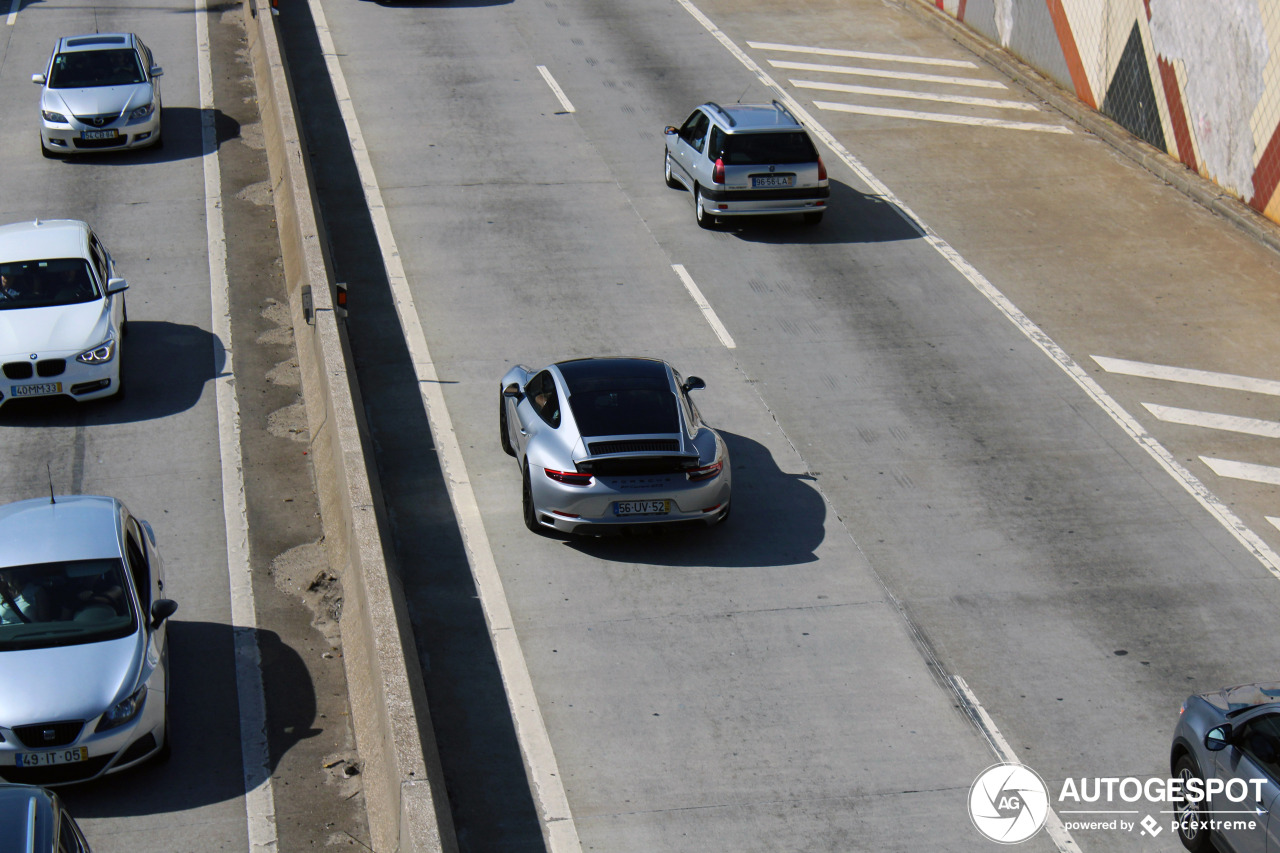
column 569, row 478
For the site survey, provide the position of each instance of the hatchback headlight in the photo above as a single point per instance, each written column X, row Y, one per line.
column 100, row 354
column 122, row 712
column 57, row 118
column 142, row 112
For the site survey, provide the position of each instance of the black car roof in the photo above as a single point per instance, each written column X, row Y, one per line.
column 591, row 371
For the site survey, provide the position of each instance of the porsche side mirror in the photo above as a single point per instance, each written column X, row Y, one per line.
column 670, row 130
column 513, row 392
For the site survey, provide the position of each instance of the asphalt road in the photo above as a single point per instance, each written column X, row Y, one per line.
column 229, row 496
column 975, row 516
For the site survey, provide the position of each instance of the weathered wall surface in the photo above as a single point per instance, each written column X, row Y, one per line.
column 1196, row 79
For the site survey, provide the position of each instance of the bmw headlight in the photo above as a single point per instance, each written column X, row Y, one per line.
column 100, row 354
column 142, row 112
column 123, row 711
column 56, row 118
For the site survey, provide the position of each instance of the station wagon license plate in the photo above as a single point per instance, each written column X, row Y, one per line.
column 642, row 507
column 98, row 134
column 40, row 390
column 768, row 181
column 58, row 756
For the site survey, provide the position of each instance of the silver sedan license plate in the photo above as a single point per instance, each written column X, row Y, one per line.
column 58, row 756
column 661, row 507
column 40, row 390
column 98, row 134
column 767, row 181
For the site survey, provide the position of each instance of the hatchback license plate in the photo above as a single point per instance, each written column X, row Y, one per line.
column 642, row 507
column 57, row 756
column 98, row 134
column 41, row 390
column 766, row 181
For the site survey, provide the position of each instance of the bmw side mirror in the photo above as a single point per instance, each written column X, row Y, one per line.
column 162, row 609
column 694, row 383
column 1218, row 738
column 115, row 285
column 513, row 392
column 670, row 130
column 37, row 78
column 157, row 71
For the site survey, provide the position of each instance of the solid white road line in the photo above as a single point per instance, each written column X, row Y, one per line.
column 1243, row 470
column 1208, row 378
column 704, row 306
column 560, row 832
column 967, row 100
column 888, row 75
column 259, row 799
column 945, row 118
column 555, row 87
column 1060, row 835
column 862, row 54
column 1213, row 420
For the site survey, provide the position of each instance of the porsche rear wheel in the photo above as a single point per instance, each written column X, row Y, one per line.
column 530, row 513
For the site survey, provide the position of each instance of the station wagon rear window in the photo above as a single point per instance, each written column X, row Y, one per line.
column 763, row 149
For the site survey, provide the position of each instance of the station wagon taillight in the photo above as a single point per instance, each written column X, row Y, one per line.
column 822, row 170
column 717, row 173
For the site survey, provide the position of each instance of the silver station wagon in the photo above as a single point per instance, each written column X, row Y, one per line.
column 746, row 160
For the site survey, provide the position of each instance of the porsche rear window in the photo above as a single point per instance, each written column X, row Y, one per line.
column 623, row 398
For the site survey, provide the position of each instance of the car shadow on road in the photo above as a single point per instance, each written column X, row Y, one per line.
column 778, row 519
column 165, row 368
column 852, row 217
column 204, row 713
column 183, row 140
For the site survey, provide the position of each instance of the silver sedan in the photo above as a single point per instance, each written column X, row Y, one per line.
column 609, row 443
column 100, row 92
column 84, row 686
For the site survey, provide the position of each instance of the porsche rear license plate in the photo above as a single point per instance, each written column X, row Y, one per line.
column 57, row 756
column 642, row 507
column 39, row 390
column 98, row 134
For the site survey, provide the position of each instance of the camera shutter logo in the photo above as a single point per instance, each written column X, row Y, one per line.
column 1008, row 803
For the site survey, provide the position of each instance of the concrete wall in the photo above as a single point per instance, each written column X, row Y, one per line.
column 403, row 783
column 1196, row 79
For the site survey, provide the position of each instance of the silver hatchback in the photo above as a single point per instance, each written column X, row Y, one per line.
column 746, row 160
column 84, row 686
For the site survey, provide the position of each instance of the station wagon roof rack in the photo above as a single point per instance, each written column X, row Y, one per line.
column 723, row 112
column 782, row 108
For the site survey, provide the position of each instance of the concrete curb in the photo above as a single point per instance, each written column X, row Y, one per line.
column 1152, row 159
column 405, row 798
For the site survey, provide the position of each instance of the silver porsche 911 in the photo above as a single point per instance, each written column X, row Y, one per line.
column 608, row 443
column 99, row 92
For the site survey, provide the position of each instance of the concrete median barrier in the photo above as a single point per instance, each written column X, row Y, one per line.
column 403, row 782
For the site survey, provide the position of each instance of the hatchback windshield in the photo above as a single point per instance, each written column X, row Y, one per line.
column 762, row 149
column 40, row 284
column 63, row 603
column 82, row 69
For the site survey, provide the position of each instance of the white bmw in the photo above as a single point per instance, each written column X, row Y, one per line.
column 62, row 312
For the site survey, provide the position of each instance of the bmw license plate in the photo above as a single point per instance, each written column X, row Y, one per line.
column 40, row 390
column 642, row 507
column 57, row 756
column 767, row 181
column 98, row 134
